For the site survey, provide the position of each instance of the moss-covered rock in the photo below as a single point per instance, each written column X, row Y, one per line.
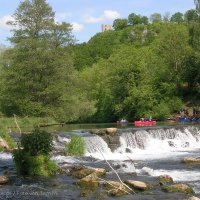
column 165, row 179
column 116, row 188
column 191, row 160
column 182, row 188
column 89, row 181
column 81, row 172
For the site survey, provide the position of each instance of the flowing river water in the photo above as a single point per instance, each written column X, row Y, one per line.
column 140, row 154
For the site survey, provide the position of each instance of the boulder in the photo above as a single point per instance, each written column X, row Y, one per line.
column 190, row 160
column 138, row 185
column 116, row 188
column 81, row 172
column 164, row 179
column 3, row 143
column 111, row 131
column 3, row 180
column 89, row 181
column 99, row 171
column 182, row 188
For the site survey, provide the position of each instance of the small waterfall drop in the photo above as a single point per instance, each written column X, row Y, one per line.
column 95, row 144
column 142, row 143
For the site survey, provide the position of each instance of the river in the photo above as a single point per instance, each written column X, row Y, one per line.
column 145, row 151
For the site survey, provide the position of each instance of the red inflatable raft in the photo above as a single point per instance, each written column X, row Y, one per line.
column 144, row 123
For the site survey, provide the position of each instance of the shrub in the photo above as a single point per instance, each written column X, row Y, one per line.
column 76, row 146
column 39, row 165
column 33, row 159
column 38, row 142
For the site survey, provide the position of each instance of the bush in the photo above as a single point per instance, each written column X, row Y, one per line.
column 39, row 165
column 75, row 147
column 33, row 159
column 38, row 142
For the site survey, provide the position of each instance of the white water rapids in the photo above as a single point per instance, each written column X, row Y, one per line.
column 148, row 152
column 160, row 149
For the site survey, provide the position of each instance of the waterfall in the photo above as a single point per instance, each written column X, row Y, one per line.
column 96, row 144
column 145, row 141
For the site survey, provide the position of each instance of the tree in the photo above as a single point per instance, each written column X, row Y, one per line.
column 144, row 20
column 38, row 71
column 191, row 16
column 119, row 24
column 174, row 49
column 156, row 18
column 177, row 17
column 134, row 19
column 191, row 70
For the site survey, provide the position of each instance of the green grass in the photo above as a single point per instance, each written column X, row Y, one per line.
column 76, row 146
column 5, row 135
column 26, row 124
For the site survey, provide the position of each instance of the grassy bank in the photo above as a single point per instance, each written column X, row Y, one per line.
column 26, row 124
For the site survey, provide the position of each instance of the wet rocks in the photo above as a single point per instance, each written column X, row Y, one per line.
column 165, row 179
column 89, row 181
column 182, row 188
column 137, row 185
column 101, row 132
column 81, row 172
column 116, row 188
column 191, row 160
column 3, row 180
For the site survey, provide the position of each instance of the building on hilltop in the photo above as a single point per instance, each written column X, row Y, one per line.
column 106, row 27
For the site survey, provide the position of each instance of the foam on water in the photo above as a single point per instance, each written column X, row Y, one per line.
column 145, row 145
column 66, row 160
column 5, row 156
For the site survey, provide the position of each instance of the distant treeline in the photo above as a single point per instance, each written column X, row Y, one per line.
column 142, row 66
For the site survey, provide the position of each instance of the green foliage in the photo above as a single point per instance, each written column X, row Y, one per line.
column 135, row 19
column 39, row 165
column 36, row 143
column 156, row 18
column 137, row 68
column 38, row 71
column 5, row 135
column 33, row 157
column 76, row 146
column 119, row 24
column 191, row 16
column 177, row 17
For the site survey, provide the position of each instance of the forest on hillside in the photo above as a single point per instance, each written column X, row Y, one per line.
column 143, row 66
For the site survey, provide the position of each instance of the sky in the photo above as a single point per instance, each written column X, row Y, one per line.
column 87, row 16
